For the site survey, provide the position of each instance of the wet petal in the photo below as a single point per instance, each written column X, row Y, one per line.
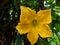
column 23, row 27
column 26, row 12
column 44, row 16
column 44, row 31
column 32, row 37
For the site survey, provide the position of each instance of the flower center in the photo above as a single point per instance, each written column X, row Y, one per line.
column 34, row 22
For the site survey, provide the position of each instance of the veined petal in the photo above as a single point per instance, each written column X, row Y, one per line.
column 44, row 31
column 32, row 37
column 44, row 16
column 23, row 27
column 26, row 12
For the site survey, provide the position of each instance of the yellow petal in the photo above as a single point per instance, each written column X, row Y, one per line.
column 26, row 12
column 44, row 31
column 32, row 37
column 44, row 16
column 23, row 27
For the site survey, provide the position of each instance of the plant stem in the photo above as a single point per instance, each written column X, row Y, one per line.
column 40, row 5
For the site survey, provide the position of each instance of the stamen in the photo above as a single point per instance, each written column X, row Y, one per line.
column 34, row 22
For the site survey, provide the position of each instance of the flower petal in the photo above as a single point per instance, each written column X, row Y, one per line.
column 26, row 12
column 23, row 27
column 44, row 31
column 32, row 37
column 44, row 16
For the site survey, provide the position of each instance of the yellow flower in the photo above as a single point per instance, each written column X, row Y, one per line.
column 34, row 24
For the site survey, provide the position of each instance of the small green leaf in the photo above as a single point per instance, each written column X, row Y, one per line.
column 19, row 40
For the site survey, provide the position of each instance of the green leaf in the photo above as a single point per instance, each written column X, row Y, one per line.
column 55, row 38
column 57, row 26
column 54, row 15
column 19, row 40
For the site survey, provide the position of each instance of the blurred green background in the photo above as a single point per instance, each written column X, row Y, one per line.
column 9, row 18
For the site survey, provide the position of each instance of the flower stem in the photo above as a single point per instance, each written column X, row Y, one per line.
column 40, row 5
